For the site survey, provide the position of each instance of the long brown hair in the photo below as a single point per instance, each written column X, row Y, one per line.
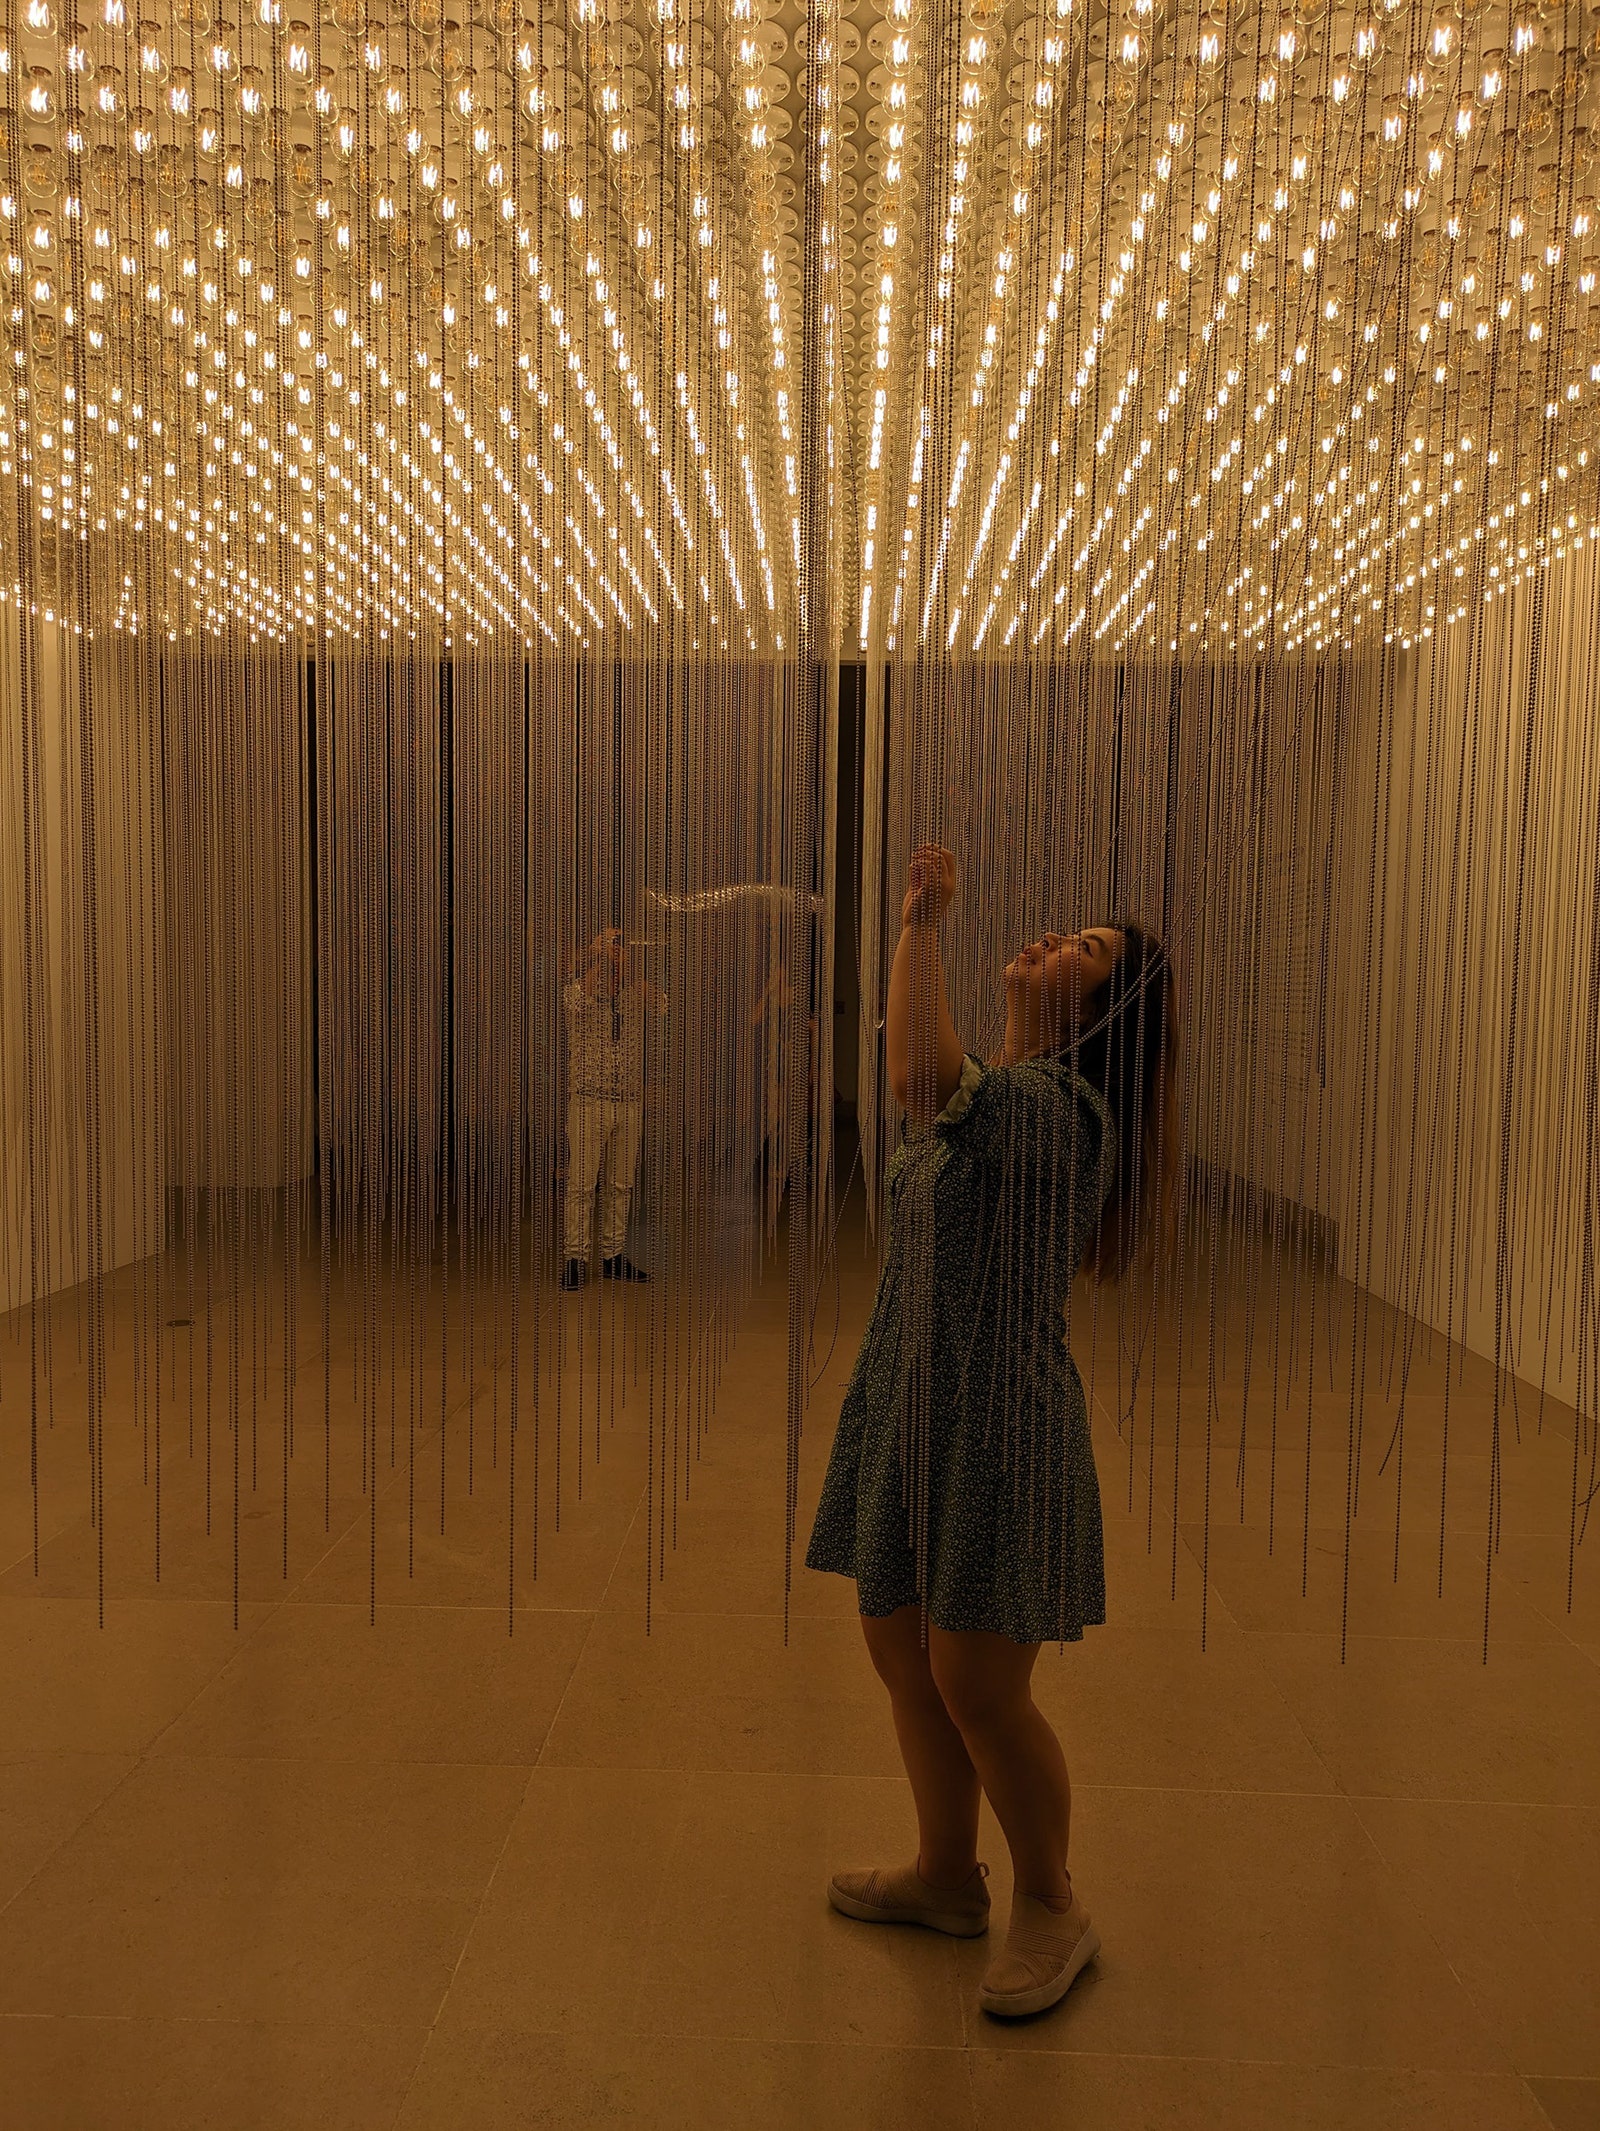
column 1128, row 1052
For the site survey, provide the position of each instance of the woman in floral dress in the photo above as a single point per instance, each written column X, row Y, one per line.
column 961, row 1491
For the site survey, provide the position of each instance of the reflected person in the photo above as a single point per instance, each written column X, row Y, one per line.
column 608, row 1004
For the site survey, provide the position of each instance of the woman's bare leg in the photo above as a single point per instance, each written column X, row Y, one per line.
column 944, row 1782
column 984, row 1684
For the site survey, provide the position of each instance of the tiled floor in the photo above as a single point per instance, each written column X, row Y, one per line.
column 324, row 1870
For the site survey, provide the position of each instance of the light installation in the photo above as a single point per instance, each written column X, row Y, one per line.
column 448, row 457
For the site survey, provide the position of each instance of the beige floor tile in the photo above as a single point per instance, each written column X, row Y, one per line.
column 561, row 1938
column 1538, row 1570
column 1534, row 1495
column 59, row 1505
column 1140, row 1594
column 1570, row 2104
column 745, row 1943
column 1388, row 1422
column 195, row 1463
column 729, row 1551
column 1245, row 1925
column 69, row 1685
column 1428, row 1719
column 477, row 2081
column 732, row 1568
column 261, row 1890
column 573, row 1509
column 203, row 2075
column 1148, row 1706
column 716, row 1691
column 418, row 1683
column 187, row 1556
column 1149, row 1583
column 44, row 1798
column 636, row 1932
column 1512, row 1895
column 1264, row 1590
column 1013, row 2089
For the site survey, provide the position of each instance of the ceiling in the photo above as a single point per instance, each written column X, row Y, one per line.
column 1132, row 331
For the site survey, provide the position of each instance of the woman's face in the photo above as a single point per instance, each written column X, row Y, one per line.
column 1051, row 981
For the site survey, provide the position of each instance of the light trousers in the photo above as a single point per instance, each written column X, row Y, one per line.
column 602, row 1149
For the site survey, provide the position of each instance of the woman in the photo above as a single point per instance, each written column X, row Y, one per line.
column 961, row 1492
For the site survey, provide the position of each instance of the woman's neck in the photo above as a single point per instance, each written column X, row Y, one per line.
column 1023, row 1039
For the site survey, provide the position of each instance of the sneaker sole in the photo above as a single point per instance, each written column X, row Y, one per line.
column 955, row 1927
column 1018, row 2004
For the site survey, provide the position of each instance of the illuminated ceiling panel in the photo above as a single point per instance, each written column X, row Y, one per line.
column 1129, row 329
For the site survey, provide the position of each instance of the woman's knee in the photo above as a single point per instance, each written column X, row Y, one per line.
column 899, row 1655
column 983, row 1680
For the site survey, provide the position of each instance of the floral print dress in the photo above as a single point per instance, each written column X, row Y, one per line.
column 962, row 1475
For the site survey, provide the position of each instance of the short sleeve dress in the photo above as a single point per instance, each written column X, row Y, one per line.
column 962, row 1474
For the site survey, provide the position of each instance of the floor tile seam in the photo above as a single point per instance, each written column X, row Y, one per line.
column 423, row 1439
column 1486, row 2013
column 522, row 1608
column 1466, row 1642
column 70, row 1835
column 1080, row 1785
column 648, row 2033
column 615, row 1569
column 1557, row 2079
column 990, row 2042
column 469, row 1926
column 1308, row 2066
column 992, row 2046
column 248, row 1637
column 8, row 1568
column 1561, row 1622
column 1526, row 1470
column 1375, row 1429
column 196, row 2020
column 969, row 2073
column 1171, row 1504
column 1509, row 1805
column 1553, row 1641
column 402, row 1608
column 335, row 1537
column 471, row 1922
column 1133, row 1627
column 370, row 1503
column 646, row 1493
column 1395, row 1870
column 539, row 1762
column 667, row 1852
column 330, row 1761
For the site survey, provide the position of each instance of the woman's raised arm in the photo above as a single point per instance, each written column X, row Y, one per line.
column 924, row 1053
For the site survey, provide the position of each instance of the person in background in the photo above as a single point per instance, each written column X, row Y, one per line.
column 608, row 1005
column 764, row 1104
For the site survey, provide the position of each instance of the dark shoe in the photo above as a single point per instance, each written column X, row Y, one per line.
column 620, row 1268
column 574, row 1274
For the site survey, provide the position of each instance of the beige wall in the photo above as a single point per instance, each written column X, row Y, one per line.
column 80, row 1162
column 1469, row 1025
